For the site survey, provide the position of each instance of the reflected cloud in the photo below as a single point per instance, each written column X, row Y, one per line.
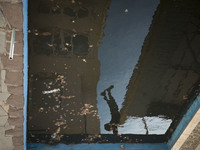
column 135, row 125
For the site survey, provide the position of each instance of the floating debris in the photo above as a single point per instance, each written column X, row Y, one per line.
column 51, row 91
column 87, row 109
column 69, row 97
column 50, row 45
column 46, row 33
column 84, row 60
column 60, row 123
column 41, row 109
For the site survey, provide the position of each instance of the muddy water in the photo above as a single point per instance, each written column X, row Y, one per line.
column 105, row 69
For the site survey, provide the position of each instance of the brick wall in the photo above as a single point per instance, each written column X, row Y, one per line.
column 11, row 76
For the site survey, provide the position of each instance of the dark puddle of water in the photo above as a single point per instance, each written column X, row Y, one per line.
column 131, row 85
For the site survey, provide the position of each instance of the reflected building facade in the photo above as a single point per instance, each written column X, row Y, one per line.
column 64, row 69
column 167, row 74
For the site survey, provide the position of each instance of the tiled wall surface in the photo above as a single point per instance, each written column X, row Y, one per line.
column 11, row 76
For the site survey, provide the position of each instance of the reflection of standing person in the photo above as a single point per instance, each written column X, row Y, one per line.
column 114, row 110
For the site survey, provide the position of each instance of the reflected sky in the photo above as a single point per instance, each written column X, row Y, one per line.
column 127, row 25
column 98, row 68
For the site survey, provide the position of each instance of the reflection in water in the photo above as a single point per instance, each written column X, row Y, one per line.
column 64, row 67
column 126, row 27
column 114, row 110
column 151, row 66
column 136, row 125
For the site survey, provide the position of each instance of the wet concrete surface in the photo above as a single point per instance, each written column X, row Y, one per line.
column 110, row 69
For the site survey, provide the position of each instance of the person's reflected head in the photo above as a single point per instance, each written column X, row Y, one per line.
column 108, row 127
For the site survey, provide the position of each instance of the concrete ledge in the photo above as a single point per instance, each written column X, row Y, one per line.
column 188, row 130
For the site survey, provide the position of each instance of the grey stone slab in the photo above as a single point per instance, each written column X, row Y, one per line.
column 2, row 131
column 2, row 112
column 4, row 106
column 5, row 142
column 3, row 86
column 4, row 96
column 3, row 120
column 2, row 41
column 3, row 74
column 8, row 127
column 2, row 20
column 2, row 79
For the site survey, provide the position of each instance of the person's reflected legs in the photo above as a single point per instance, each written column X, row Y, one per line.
column 114, row 110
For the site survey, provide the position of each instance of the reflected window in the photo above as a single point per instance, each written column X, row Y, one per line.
column 111, row 71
